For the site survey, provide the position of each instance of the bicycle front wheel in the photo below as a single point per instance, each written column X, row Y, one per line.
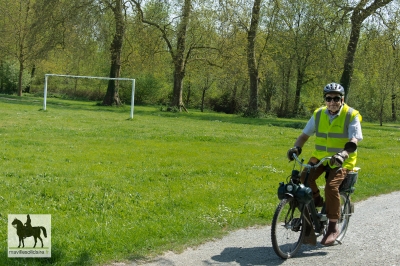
column 345, row 213
column 287, row 232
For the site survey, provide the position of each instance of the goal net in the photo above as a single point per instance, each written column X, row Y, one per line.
column 46, row 76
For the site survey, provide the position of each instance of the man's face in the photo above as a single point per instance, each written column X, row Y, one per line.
column 333, row 102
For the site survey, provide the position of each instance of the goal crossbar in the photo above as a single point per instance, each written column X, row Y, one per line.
column 46, row 76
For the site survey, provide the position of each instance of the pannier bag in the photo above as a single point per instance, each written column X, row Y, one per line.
column 349, row 181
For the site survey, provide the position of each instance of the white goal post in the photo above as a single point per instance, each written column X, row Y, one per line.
column 46, row 76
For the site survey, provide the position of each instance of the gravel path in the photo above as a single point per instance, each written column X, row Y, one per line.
column 373, row 238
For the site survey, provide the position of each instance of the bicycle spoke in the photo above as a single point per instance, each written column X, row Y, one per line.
column 287, row 229
column 345, row 213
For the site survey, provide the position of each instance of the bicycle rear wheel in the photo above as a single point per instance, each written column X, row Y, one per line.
column 345, row 213
column 287, row 232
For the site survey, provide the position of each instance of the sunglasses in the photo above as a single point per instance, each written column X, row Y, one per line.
column 335, row 99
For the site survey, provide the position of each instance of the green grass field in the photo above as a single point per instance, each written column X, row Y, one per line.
column 121, row 189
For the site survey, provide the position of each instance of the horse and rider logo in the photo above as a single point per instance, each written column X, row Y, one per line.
column 36, row 227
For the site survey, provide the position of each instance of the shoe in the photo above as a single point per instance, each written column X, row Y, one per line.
column 330, row 237
column 319, row 201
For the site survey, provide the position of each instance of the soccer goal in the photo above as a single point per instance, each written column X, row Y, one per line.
column 46, row 76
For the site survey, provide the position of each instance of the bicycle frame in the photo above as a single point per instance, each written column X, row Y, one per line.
column 296, row 220
column 318, row 220
column 310, row 207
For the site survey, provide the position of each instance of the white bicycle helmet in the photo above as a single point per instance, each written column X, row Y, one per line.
column 334, row 88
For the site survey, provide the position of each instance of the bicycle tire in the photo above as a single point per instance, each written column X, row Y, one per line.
column 345, row 214
column 287, row 233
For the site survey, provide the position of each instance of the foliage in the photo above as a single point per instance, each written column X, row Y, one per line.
column 147, row 92
column 300, row 47
column 120, row 189
column 9, row 72
column 226, row 103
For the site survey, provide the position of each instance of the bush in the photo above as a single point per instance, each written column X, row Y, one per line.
column 147, row 88
column 226, row 103
column 9, row 72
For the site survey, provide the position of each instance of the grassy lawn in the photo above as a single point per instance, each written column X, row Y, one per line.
column 120, row 189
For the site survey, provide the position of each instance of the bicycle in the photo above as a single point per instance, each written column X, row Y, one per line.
column 296, row 219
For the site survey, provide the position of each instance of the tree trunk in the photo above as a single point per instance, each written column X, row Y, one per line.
column 28, row 87
column 112, row 95
column 206, row 86
column 393, row 86
column 345, row 80
column 21, row 60
column 178, row 87
column 394, row 118
column 357, row 18
column 179, row 56
column 203, row 95
column 251, row 60
column 1, row 76
column 21, row 72
column 299, row 85
column 188, row 95
column 269, row 89
column 285, row 100
column 233, row 105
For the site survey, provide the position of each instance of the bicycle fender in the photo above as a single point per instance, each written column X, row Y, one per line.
column 310, row 238
column 288, row 195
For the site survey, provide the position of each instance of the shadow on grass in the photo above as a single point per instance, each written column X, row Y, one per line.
column 237, row 119
column 384, row 127
column 58, row 103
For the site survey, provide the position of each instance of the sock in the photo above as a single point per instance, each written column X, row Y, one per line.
column 332, row 226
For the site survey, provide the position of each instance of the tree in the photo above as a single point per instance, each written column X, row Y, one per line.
column 307, row 47
column 298, row 49
column 204, row 88
column 247, row 18
column 180, row 54
column 252, row 109
column 360, row 12
column 393, row 36
column 394, row 92
column 31, row 30
column 232, row 75
column 118, row 8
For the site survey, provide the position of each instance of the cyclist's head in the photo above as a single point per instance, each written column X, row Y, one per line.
column 334, row 97
column 334, row 88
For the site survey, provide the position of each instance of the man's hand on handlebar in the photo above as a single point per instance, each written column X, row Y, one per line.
column 338, row 158
column 295, row 150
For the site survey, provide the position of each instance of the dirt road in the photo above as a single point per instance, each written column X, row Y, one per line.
column 373, row 238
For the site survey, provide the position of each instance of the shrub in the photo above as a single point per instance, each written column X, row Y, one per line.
column 9, row 72
column 147, row 88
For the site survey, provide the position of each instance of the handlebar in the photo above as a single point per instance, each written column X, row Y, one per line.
column 309, row 166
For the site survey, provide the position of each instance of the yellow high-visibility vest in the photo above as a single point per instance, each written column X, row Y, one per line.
column 331, row 137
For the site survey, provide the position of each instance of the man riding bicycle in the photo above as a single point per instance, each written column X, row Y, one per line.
column 334, row 125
